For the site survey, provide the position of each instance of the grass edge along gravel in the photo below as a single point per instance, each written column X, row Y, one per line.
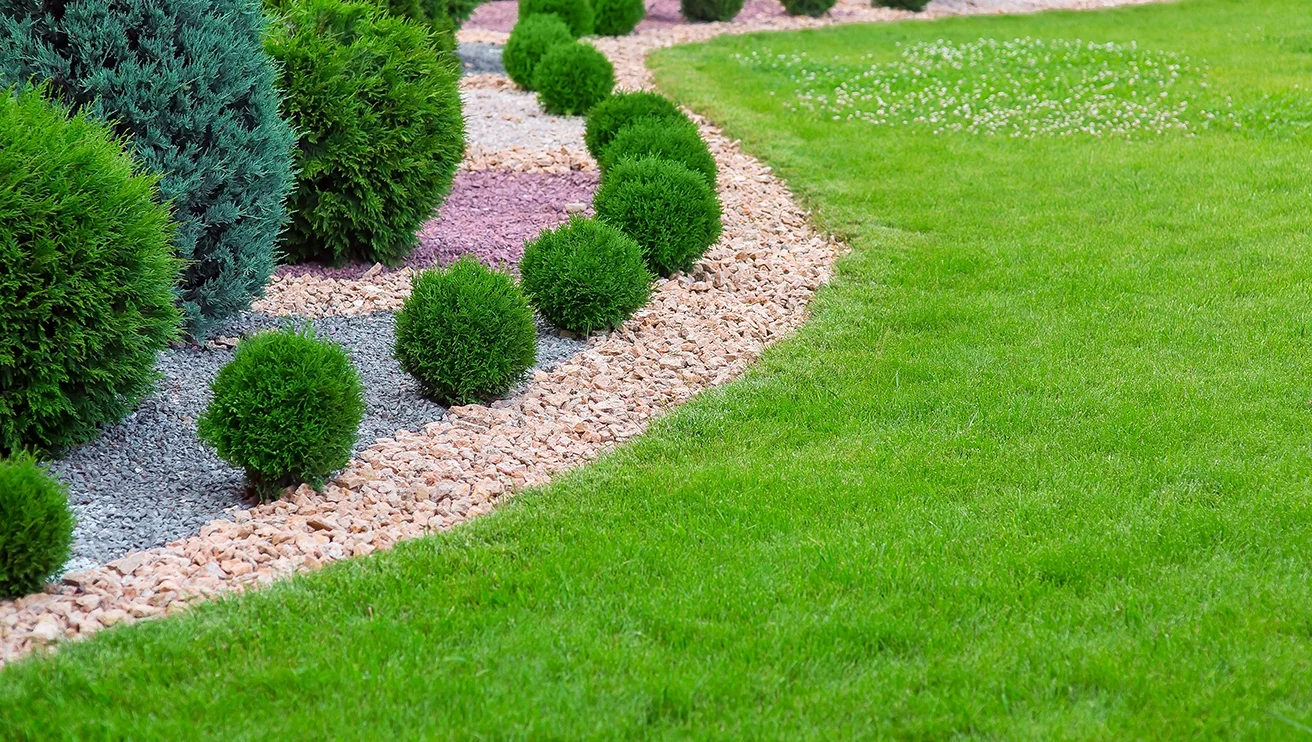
column 1038, row 467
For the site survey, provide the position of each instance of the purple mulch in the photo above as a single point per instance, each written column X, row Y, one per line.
column 489, row 214
column 500, row 15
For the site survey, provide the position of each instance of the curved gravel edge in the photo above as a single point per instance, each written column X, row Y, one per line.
column 700, row 329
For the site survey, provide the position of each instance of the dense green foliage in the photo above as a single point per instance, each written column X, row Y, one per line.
column 618, row 17
column 381, row 131
column 585, row 275
column 187, row 80
column 529, row 41
column 286, row 408
column 710, row 10
column 669, row 210
column 466, row 333
column 621, row 109
column 86, row 276
column 577, row 14
column 572, row 78
column 815, row 8
column 36, row 526
column 912, row 5
column 1036, row 467
column 661, row 138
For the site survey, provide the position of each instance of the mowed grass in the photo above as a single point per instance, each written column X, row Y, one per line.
column 1039, row 467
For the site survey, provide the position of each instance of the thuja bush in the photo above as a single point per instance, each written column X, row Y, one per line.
column 585, row 275
column 913, row 5
column 813, row 8
column 577, row 14
column 529, row 41
column 36, row 526
column 286, row 408
column 621, row 109
column 466, row 333
column 87, row 276
column 189, row 82
column 572, row 78
column 618, row 17
column 660, row 138
column 710, row 10
column 670, row 211
column 381, row 131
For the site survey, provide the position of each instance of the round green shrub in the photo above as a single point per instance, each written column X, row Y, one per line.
column 36, row 526
column 914, row 6
column 621, row 109
column 661, row 138
column 529, row 41
column 381, row 130
column 87, row 276
column 585, row 275
column 286, row 408
column 813, row 8
column 189, row 83
column 669, row 210
column 572, row 78
column 618, row 17
column 710, row 10
column 466, row 333
column 577, row 14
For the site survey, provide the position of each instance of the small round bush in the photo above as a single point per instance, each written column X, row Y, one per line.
column 572, row 78
column 813, row 8
column 621, row 109
column 466, row 333
column 529, row 41
column 585, row 275
column 36, row 526
column 669, row 210
column 377, row 109
column 87, row 275
column 914, row 6
column 618, row 17
column 710, row 10
column 661, row 138
column 286, row 408
column 577, row 14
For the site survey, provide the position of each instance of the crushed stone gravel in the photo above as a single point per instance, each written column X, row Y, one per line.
column 148, row 479
column 480, row 57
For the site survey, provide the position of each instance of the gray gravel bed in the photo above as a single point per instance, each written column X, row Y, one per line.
column 479, row 57
column 148, row 479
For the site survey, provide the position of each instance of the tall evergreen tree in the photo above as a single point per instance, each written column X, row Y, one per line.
column 189, row 82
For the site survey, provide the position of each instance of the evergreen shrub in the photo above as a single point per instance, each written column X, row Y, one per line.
column 621, row 109
column 813, row 8
column 585, row 275
column 669, row 210
column 529, row 41
column 710, row 10
column 660, row 138
column 577, row 14
column 914, row 6
column 572, row 78
column 618, row 17
column 36, row 526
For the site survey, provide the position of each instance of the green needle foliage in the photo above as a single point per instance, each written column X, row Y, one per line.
column 585, row 275
column 572, row 78
column 710, row 10
column 655, row 137
column 621, row 109
column 36, row 526
column 86, row 276
column 669, row 210
column 530, row 40
column 466, row 333
column 381, row 131
column 189, row 82
column 618, row 17
column 577, row 14
column 287, row 409
column 814, row 8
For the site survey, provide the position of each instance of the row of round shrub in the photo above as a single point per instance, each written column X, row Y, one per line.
column 529, row 41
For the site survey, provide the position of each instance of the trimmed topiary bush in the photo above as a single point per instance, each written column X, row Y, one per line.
column 585, row 275
column 286, row 408
column 87, row 276
column 669, row 210
column 710, row 10
column 577, row 14
column 621, row 109
column 189, row 82
column 813, row 8
column 618, row 17
column 381, row 131
column 913, row 5
column 529, row 41
column 660, row 138
column 572, row 78
column 36, row 526
column 466, row 333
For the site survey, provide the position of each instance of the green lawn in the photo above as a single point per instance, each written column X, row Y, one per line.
column 1040, row 466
